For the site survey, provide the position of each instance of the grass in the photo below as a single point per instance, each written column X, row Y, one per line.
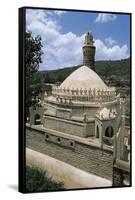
column 38, row 180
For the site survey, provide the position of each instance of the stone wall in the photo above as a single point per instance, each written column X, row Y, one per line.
column 87, row 157
column 65, row 126
column 90, row 111
column 90, row 129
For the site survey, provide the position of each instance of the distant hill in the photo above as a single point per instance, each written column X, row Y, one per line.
column 115, row 73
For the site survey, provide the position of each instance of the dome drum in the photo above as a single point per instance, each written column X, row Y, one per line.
column 85, row 94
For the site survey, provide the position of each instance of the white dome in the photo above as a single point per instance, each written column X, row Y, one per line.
column 83, row 78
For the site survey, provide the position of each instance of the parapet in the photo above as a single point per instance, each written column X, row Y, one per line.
column 89, row 95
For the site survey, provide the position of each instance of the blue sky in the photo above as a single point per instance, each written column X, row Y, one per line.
column 63, row 35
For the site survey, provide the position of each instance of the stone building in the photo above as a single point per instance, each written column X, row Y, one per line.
column 82, row 122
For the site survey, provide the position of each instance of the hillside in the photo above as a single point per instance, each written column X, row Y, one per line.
column 115, row 73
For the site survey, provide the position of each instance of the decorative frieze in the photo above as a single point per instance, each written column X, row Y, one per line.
column 64, row 95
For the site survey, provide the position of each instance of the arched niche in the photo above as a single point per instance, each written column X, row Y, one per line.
column 109, row 132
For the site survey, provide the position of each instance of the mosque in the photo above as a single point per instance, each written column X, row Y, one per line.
column 82, row 121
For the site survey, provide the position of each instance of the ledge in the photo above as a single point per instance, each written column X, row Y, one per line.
column 65, row 120
column 80, row 103
column 86, row 141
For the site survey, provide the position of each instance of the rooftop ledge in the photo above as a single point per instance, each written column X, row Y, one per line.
column 80, row 103
column 90, row 141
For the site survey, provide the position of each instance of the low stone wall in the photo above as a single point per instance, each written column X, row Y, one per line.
column 87, row 157
column 60, row 171
column 65, row 126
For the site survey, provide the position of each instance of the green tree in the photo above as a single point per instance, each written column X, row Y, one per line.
column 33, row 57
column 33, row 54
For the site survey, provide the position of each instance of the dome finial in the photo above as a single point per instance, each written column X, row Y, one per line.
column 89, row 38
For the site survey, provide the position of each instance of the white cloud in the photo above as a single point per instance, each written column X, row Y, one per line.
column 109, row 41
column 60, row 12
column 60, row 50
column 102, row 17
column 65, row 49
column 115, row 52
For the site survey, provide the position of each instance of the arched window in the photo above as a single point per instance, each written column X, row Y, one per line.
column 97, row 133
column 109, row 131
column 37, row 119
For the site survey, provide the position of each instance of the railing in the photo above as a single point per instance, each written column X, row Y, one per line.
column 84, row 94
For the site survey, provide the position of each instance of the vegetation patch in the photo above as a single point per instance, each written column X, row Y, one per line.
column 37, row 180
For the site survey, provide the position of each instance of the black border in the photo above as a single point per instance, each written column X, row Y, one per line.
column 21, row 92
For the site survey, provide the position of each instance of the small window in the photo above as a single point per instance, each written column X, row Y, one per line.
column 58, row 139
column 109, row 131
column 71, row 143
column 47, row 136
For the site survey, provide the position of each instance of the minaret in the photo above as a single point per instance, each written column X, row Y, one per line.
column 89, row 51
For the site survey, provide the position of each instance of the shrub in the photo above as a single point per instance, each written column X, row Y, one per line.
column 38, row 180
